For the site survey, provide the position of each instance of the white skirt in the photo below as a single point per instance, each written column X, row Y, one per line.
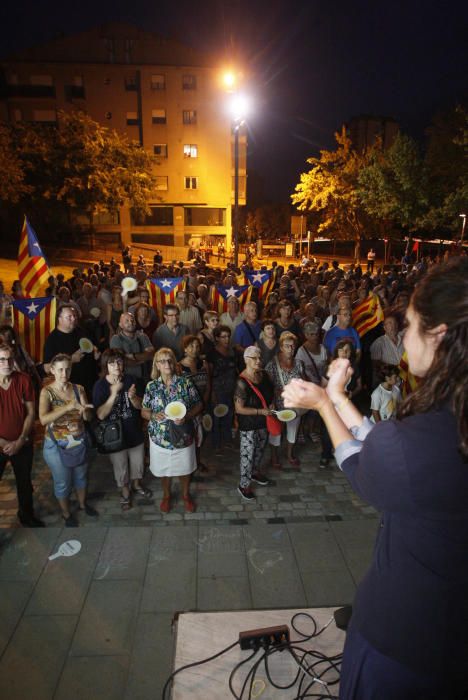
column 178, row 462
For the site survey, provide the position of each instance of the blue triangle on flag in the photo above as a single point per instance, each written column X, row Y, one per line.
column 258, row 277
column 31, row 307
column 232, row 291
column 167, row 284
column 34, row 249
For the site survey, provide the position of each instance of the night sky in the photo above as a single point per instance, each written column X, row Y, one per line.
column 311, row 64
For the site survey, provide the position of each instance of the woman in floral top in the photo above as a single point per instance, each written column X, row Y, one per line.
column 166, row 460
column 281, row 370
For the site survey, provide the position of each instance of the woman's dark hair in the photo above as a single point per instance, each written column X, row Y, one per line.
column 342, row 344
column 189, row 339
column 267, row 322
column 109, row 355
column 441, row 297
column 219, row 330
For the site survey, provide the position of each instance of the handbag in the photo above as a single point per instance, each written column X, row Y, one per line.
column 108, row 435
column 181, row 435
column 77, row 454
column 273, row 425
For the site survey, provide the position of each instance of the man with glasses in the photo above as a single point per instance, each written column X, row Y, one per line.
column 16, row 423
column 171, row 332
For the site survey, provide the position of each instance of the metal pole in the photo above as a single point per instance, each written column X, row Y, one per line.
column 463, row 228
column 236, row 194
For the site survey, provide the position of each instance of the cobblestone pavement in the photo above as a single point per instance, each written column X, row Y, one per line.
column 306, row 494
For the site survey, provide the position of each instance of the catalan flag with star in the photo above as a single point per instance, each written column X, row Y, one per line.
column 367, row 315
column 34, row 320
column 33, row 270
column 220, row 295
column 263, row 281
column 163, row 290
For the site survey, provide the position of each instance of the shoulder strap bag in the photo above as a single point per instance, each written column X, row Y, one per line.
column 75, row 454
column 273, row 425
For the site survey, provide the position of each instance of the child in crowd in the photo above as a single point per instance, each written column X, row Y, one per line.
column 386, row 397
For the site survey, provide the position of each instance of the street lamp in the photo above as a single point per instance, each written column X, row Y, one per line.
column 463, row 216
column 238, row 108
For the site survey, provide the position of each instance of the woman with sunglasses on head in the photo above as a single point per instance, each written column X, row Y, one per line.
column 167, row 459
column 408, row 636
column 117, row 397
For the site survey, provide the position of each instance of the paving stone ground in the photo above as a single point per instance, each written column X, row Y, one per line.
column 307, row 494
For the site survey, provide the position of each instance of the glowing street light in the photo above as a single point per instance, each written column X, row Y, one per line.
column 463, row 216
column 238, row 108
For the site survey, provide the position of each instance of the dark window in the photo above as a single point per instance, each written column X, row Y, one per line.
column 160, row 216
column 189, row 82
column 204, row 216
column 74, row 92
column 131, row 83
column 158, row 116
column 160, row 150
column 29, row 90
column 189, row 116
column 156, row 239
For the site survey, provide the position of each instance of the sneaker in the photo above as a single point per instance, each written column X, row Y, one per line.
column 89, row 510
column 324, row 462
column 70, row 521
column 246, row 494
column 260, row 479
column 189, row 505
column 165, row 505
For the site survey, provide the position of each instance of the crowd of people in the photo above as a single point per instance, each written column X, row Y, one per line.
column 228, row 369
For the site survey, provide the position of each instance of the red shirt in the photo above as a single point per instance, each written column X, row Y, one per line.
column 12, row 405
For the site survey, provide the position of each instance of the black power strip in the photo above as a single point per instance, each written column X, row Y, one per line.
column 264, row 637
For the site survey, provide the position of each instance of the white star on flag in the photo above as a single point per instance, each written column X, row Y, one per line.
column 231, row 292
column 166, row 283
column 32, row 308
column 257, row 277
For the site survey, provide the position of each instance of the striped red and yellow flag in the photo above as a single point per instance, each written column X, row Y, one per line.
column 263, row 280
column 34, row 320
column 409, row 382
column 368, row 314
column 33, row 270
column 163, row 290
column 220, row 295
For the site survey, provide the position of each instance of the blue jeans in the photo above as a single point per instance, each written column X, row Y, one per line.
column 65, row 478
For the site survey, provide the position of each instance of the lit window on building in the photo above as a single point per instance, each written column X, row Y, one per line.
column 190, row 150
column 191, row 183
column 158, row 81
column 160, row 149
column 158, row 116
column 189, row 82
column 189, row 116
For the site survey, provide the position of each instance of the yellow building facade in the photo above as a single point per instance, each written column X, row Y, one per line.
column 158, row 92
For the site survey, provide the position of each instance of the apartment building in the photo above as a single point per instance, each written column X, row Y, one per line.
column 158, row 92
column 363, row 131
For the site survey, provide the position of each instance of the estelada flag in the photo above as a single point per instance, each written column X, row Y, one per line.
column 409, row 382
column 34, row 320
column 33, row 270
column 220, row 295
column 262, row 280
column 368, row 314
column 163, row 290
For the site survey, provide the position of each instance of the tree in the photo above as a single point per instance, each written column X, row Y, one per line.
column 269, row 221
column 12, row 185
column 393, row 184
column 81, row 164
column 447, row 167
column 331, row 188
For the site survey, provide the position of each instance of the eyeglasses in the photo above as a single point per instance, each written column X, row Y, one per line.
column 115, row 362
column 164, row 362
column 6, row 359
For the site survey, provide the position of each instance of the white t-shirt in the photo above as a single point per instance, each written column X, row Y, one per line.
column 320, row 361
column 385, row 401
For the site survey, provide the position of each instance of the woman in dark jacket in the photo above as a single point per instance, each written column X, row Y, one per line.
column 408, row 636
